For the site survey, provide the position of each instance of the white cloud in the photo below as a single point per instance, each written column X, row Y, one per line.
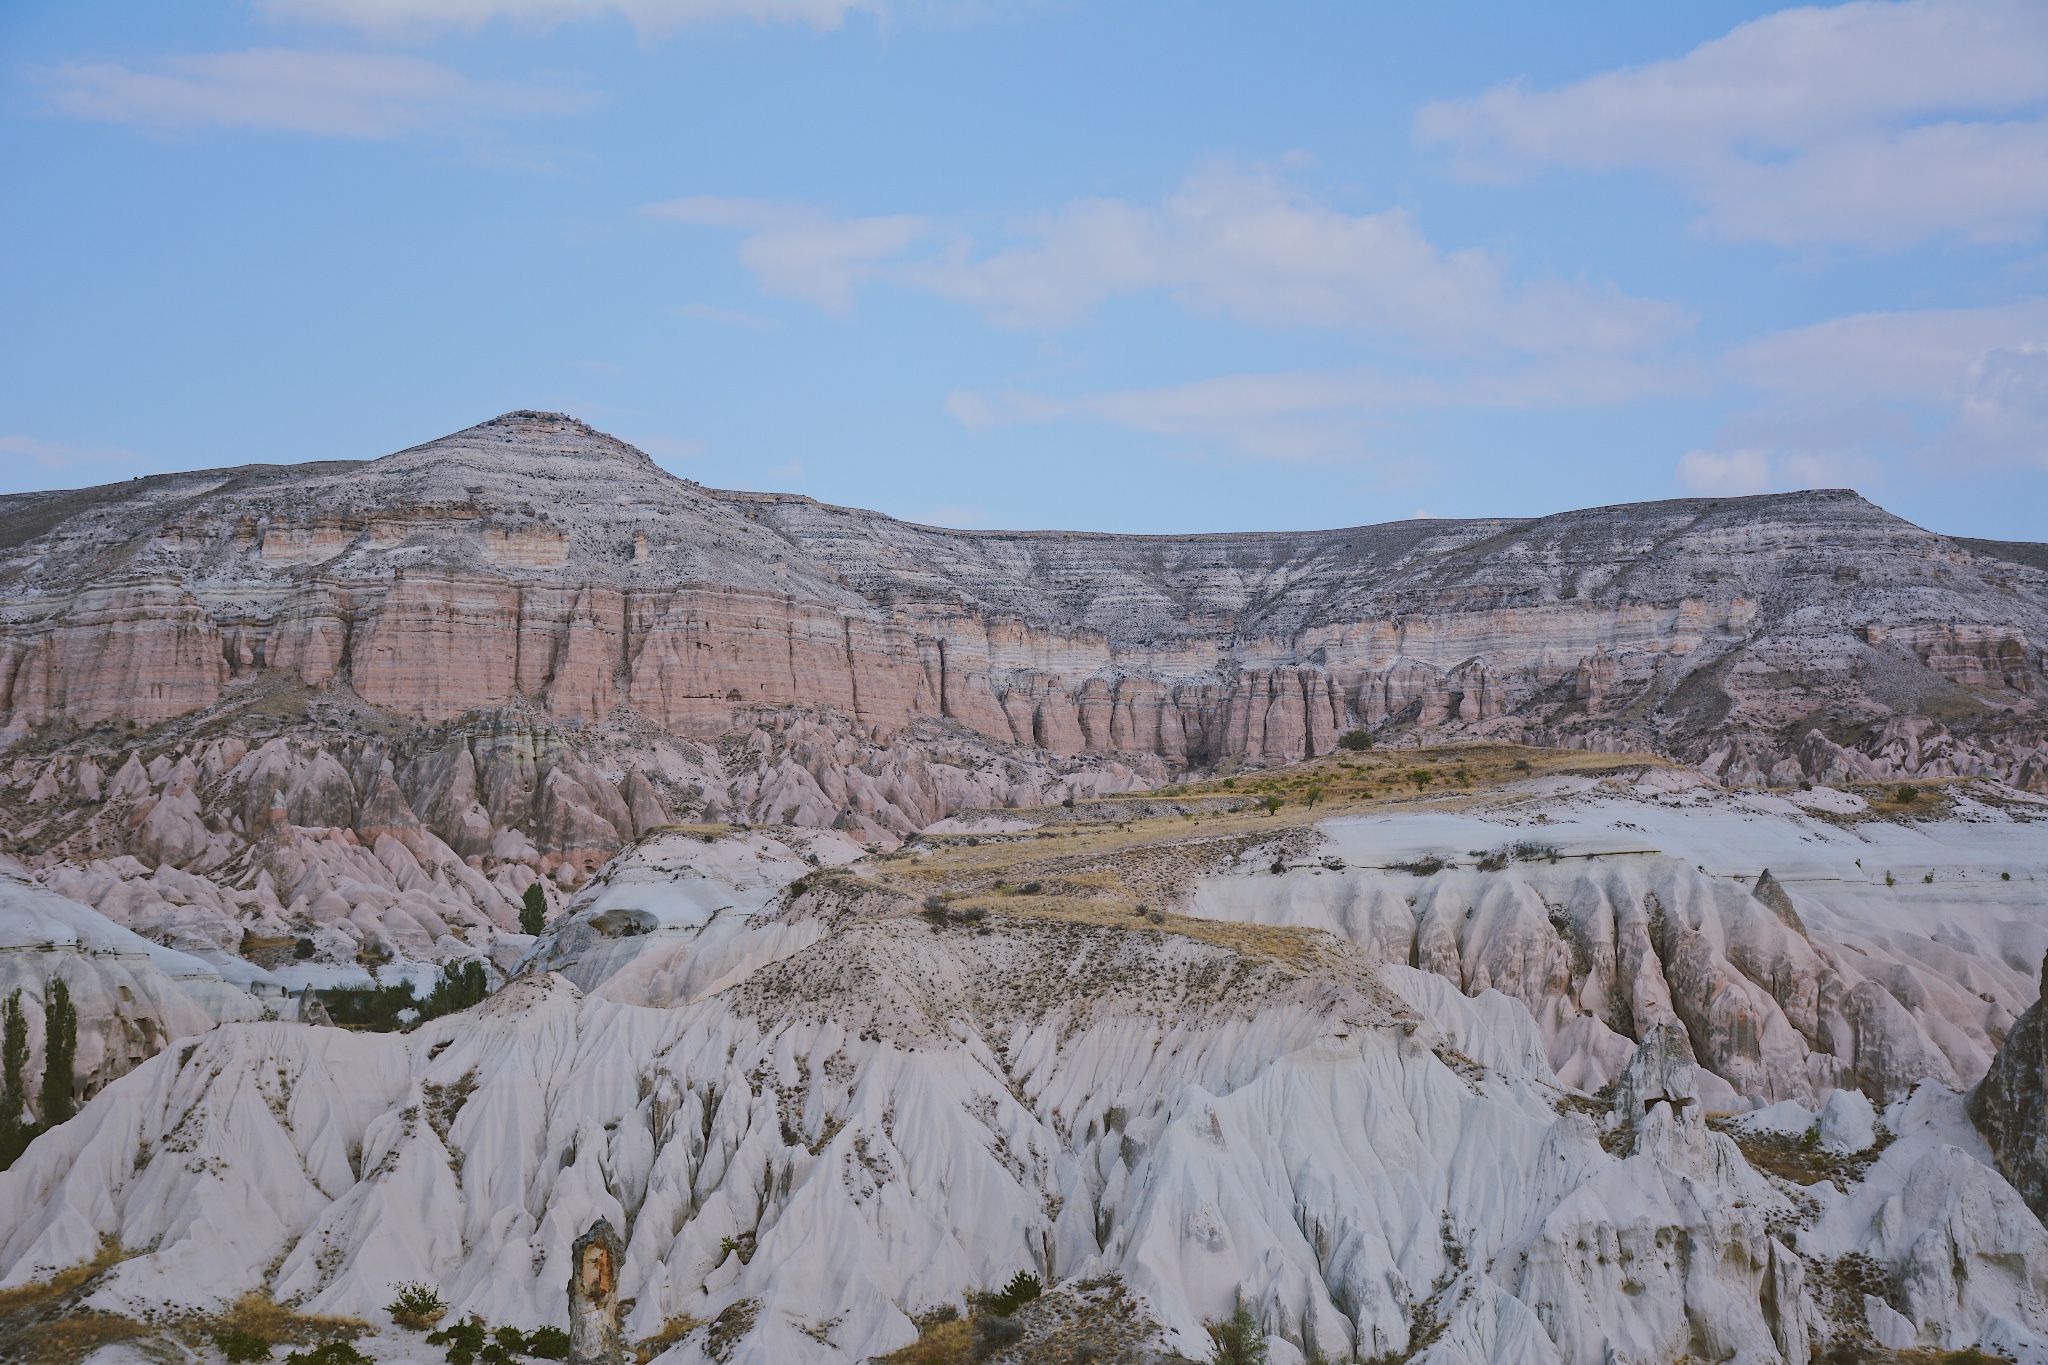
column 1733, row 473
column 1922, row 354
column 1870, row 123
column 1235, row 241
column 1978, row 377
column 1247, row 243
column 52, row 455
column 2004, row 409
column 336, row 94
column 651, row 17
column 28, row 463
column 798, row 252
column 1322, row 415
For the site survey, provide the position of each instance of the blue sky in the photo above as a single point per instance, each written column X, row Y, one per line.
column 1112, row 266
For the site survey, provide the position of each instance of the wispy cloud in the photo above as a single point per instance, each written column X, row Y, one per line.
column 651, row 17
column 1326, row 415
column 53, row 455
column 1238, row 241
column 333, row 94
column 1734, row 473
column 799, row 252
column 1959, row 388
column 1870, row 123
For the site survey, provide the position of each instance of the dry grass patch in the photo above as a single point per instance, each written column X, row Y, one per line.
column 43, row 1324
column 672, row 1331
column 257, row 1315
column 939, row 1343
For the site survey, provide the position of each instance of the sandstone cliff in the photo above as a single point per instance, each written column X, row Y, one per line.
column 533, row 562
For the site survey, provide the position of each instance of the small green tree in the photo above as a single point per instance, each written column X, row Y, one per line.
column 533, row 912
column 16, row 1131
column 60, row 1047
column 461, row 985
column 1238, row 1340
column 1355, row 740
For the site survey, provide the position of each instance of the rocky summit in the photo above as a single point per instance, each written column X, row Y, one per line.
column 502, row 885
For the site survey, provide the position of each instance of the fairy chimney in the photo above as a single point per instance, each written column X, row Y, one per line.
column 594, row 1297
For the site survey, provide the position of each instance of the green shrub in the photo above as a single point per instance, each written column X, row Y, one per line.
column 374, row 1009
column 533, row 911
column 548, row 1343
column 329, row 1353
column 1238, row 1340
column 416, row 1305
column 461, row 985
column 1906, row 795
column 1022, row 1289
column 463, row 1340
column 1355, row 740
column 241, row 1347
column 1030, row 888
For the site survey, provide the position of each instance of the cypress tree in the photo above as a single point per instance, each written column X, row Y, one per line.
column 533, row 914
column 15, row 1131
column 60, row 1046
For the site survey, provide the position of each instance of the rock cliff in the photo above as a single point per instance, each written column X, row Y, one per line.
column 534, row 562
column 2010, row 1105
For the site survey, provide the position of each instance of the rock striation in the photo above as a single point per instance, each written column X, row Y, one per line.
column 533, row 562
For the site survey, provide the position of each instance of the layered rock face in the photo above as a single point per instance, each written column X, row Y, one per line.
column 2010, row 1105
column 534, row 562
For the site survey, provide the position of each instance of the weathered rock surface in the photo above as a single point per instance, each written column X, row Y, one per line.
column 2010, row 1105
column 133, row 997
column 816, row 1110
column 531, row 560
column 1795, row 954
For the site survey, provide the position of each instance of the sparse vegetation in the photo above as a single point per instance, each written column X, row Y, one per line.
column 470, row 1341
column 533, row 910
column 329, row 1353
column 239, row 1347
column 416, row 1305
column 1906, row 795
column 16, row 1131
column 461, row 985
column 60, row 1049
column 1237, row 1340
column 1022, row 1289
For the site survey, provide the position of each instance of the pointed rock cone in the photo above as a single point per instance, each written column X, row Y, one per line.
column 594, row 1297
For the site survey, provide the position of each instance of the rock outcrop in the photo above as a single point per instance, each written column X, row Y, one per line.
column 531, row 561
column 2010, row 1105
